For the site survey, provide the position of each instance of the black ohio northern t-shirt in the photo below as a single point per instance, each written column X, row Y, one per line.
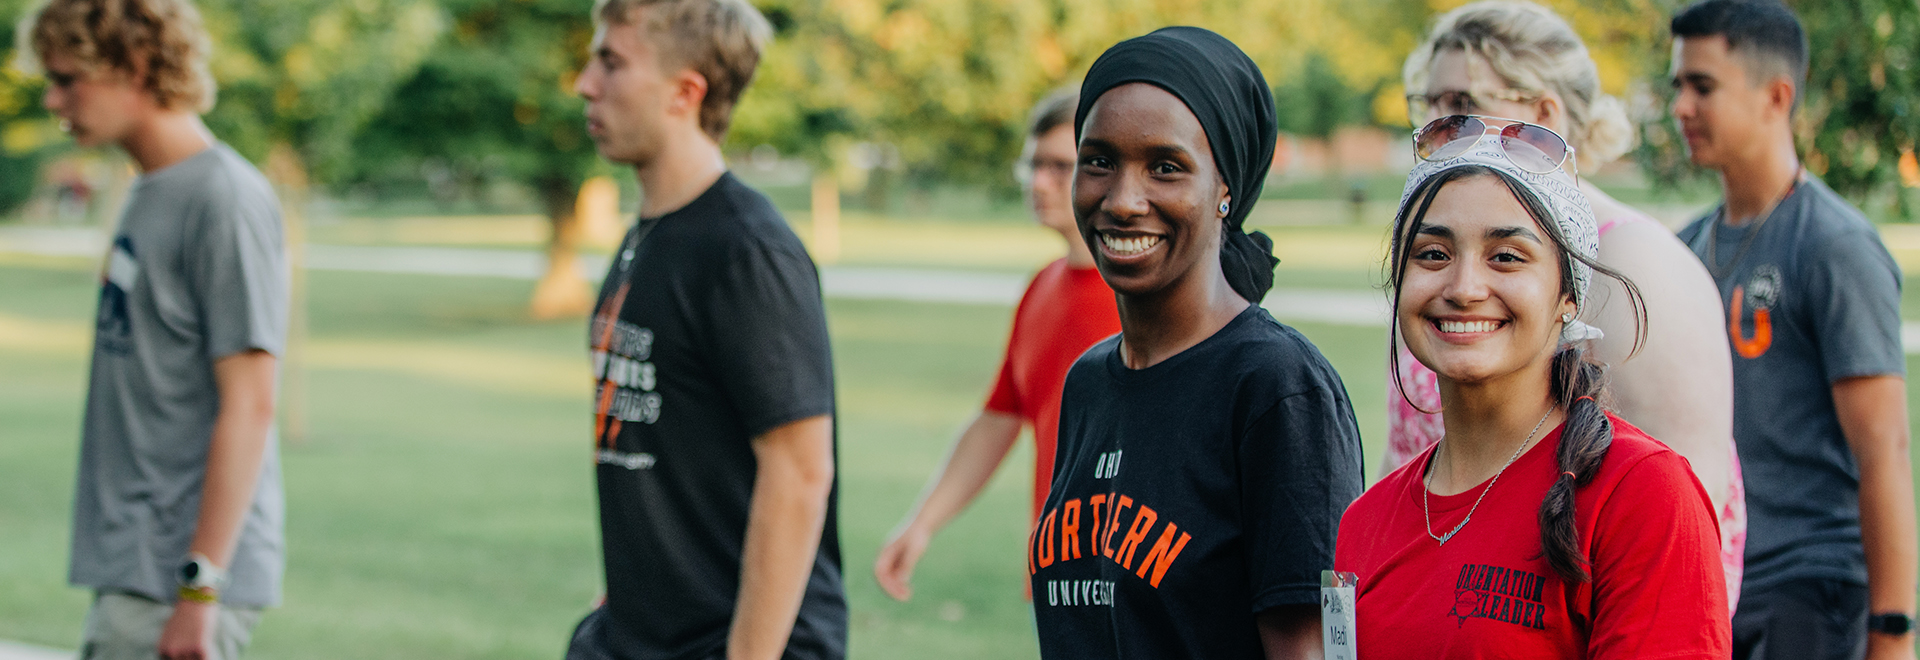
column 1191, row 495
column 708, row 333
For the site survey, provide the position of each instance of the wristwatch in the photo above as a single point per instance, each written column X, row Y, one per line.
column 1890, row 623
column 199, row 573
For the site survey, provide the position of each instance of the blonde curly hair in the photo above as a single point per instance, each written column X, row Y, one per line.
column 1533, row 51
column 162, row 39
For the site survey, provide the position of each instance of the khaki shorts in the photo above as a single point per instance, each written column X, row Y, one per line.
column 123, row 626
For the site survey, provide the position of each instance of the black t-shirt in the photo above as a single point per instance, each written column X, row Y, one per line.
column 709, row 332
column 1191, row 495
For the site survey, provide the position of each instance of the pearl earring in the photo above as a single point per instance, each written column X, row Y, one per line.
column 1223, row 207
column 1566, row 318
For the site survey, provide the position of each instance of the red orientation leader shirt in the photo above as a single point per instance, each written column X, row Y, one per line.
column 1064, row 312
column 1647, row 528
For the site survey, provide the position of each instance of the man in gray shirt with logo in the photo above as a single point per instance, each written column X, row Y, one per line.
column 1812, row 303
column 178, row 512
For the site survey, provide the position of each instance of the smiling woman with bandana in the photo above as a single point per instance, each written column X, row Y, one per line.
column 1540, row 526
column 1206, row 452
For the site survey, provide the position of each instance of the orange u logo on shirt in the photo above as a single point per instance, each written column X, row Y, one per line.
column 1762, row 339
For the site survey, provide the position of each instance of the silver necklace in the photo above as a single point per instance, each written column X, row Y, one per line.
column 1428, row 485
column 1720, row 216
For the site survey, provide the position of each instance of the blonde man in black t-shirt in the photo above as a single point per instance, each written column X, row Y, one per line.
column 713, row 425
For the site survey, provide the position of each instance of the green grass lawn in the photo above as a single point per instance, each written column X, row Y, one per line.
column 442, row 506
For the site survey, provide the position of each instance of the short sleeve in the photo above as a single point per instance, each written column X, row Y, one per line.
column 1005, row 397
column 1853, row 298
column 1658, row 588
column 1300, row 467
column 240, row 274
column 767, row 334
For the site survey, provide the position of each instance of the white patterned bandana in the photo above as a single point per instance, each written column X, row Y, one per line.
column 1556, row 191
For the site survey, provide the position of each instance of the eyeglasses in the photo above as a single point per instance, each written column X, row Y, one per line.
column 1024, row 170
column 1461, row 102
column 1533, row 148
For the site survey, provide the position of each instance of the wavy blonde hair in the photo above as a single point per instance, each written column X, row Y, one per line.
column 1533, row 51
column 164, row 39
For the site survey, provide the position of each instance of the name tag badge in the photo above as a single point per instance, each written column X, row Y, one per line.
column 1336, row 614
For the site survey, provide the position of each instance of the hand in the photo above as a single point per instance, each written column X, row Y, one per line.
column 1888, row 647
column 894, row 567
column 189, row 632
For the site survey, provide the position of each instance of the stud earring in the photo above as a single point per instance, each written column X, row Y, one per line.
column 1566, row 318
column 1223, row 207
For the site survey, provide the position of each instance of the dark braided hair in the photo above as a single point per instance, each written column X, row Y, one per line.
column 1578, row 383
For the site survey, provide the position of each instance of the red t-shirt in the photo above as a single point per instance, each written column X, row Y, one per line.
column 1064, row 312
column 1645, row 522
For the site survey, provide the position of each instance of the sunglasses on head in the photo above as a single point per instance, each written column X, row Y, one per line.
column 1533, row 148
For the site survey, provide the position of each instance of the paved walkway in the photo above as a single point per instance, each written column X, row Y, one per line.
column 14, row 651
column 1342, row 307
column 1350, row 307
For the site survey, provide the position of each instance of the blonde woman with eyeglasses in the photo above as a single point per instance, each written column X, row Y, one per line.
column 1520, row 61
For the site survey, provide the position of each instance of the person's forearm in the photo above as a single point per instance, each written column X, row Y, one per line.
column 1291, row 632
column 1873, row 415
column 1887, row 530
column 235, row 453
column 969, row 465
column 784, row 523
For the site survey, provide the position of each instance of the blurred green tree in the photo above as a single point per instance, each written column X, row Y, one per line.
column 494, row 100
column 947, row 83
column 1860, row 110
column 305, row 75
column 27, row 134
column 297, row 75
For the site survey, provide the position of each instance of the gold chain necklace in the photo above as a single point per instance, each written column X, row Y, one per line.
column 1428, row 485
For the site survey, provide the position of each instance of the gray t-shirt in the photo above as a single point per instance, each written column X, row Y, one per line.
column 1813, row 298
column 198, row 272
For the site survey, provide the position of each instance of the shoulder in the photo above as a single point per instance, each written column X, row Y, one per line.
column 1831, row 231
column 1267, row 353
column 737, row 221
column 1661, row 266
column 1831, row 211
column 1382, row 498
column 1645, row 246
column 1090, row 369
column 1693, row 229
column 228, row 188
column 1049, row 282
column 1639, row 465
column 1826, row 219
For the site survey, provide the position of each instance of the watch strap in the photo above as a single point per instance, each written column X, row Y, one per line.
column 1890, row 623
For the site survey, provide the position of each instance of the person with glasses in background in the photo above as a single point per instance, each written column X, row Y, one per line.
column 1541, row 525
column 1521, row 61
column 1066, row 309
column 1811, row 304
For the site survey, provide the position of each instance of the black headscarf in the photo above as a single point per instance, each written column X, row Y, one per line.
column 1227, row 93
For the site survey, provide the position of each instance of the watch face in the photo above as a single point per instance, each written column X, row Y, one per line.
column 190, row 571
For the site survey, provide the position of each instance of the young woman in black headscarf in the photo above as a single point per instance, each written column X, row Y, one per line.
column 1207, row 451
